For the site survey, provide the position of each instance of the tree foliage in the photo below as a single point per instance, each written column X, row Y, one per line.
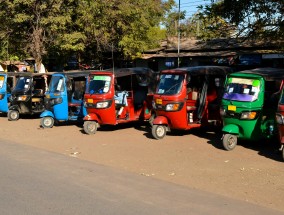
column 37, row 27
column 254, row 18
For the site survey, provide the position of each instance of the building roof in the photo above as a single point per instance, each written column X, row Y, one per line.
column 191, row 47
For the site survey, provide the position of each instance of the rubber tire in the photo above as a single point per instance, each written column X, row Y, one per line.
column 159, row 131
column 282, row 154
column 13, row 115
column 230, row 141
column 90, row 127
column 47, row 122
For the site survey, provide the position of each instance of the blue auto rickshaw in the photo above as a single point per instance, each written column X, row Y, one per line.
column 64, row 98
column 7, row 82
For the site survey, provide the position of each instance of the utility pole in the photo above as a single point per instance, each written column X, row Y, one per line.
column 178, row 31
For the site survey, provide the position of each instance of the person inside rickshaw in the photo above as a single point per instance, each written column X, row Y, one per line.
column 194, row 89
column 120, row 98
column 38, row 87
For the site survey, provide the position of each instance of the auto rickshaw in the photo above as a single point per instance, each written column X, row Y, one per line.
column 7, row 82
column 249, row 105
column 188, row 98
column 27, row 96
column 119, row 96
column 280, row 119
column 64, row 98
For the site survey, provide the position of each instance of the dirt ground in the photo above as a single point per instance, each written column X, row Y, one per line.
column 251, row 172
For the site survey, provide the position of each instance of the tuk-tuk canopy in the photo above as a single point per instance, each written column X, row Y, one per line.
column 203, row 70
column 269, row 74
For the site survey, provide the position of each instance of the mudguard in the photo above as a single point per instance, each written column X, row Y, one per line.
column 231, row 129
column 46, row 113
column 160, row 120
column 91, row 117
column 14, row 107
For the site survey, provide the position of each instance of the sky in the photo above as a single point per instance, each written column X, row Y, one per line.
column 190, row 6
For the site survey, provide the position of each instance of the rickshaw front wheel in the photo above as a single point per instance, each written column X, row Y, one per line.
column 47, row 122
column 90, row 127
column 13, row 115
column 159, row 131
column 230, row 141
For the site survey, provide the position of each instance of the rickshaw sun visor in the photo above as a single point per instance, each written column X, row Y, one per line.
column 242, row 89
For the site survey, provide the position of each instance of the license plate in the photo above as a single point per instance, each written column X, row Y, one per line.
column 90, row 100
column 48, row 96
column 159, row 101
column 232, row 107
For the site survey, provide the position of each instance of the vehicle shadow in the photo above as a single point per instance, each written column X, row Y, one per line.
column 266, row 148
column 109, row 128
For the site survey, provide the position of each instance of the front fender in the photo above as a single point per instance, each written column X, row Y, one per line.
column 46, row 113
column 91, row 117
column 14, row 107
column 160, row 120
column 231, row 129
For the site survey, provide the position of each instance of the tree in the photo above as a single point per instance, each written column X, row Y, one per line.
column 253, row 19
column 35, row 24
column 129, row 26
column 39, row 27
column 203, row 25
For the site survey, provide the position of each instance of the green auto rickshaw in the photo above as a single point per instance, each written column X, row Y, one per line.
column 249, row 105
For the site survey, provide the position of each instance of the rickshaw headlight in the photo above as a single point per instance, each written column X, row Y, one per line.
column 174, row 107
column 58, row 100
column 222, row 111
column 2, row 96
column 22, row 98
column 249, row 115
column 104, row 104
column 279, row 119
column 55, row 101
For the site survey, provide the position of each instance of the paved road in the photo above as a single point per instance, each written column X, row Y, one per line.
column 37, row 182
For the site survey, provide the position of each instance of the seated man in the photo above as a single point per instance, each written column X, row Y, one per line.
column 120, row 99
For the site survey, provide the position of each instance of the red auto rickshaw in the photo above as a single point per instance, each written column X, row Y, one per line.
column 188, row 98
column 119, row 96
column 280, row 118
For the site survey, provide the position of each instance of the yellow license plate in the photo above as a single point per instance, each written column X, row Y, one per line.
column 159, row 101
column 90, row 100
column 232, row 107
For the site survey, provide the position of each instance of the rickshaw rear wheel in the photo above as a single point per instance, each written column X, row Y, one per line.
column 159, row 131
column 230, row 141
column 47, row 122
column 283, row 154
column 90, row 127
column 13, row 115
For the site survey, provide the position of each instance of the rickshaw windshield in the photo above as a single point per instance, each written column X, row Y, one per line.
column 2, row 79
column 56, row 84
column 170, row 84
column 99, row 84
column 242, row 89
column 23, row 83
